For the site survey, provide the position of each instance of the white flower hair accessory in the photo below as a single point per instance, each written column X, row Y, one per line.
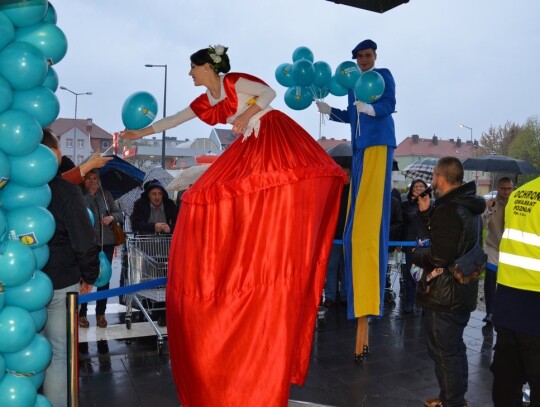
column 216, row 52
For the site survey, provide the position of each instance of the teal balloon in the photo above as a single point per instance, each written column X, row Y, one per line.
column 23, row 65
column 51, row 81
column 139, row 110
column 303, row 72
column 33, row 359
column 3, row 226
column 46, row 37
column 42, row 401
column 40, row 318
column 6, row 95
column 33, row 294
column 36, row 379
column 40, row 102
column 7, row 31
column 33, row 225
column 369, row 87
column 320, row 92
column 2, row 298
column 336, row 89
column 347, row 73
column 17, row 263
column 23, row 13
column 14, row 196
column 20, row 133
column 105, row 271
column 17, row 391
column 283, row 75
column 298, row 98
column 34, row 169
column 51, row 16
column 17, row 329
column 302, row 53
column 2, row 366
column 323, row 73
column 91, row 215
column 42, row 256
column 5, row 170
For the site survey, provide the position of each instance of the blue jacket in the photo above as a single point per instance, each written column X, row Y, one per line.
column 375, row 130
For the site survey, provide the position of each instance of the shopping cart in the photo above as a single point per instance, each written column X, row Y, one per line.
column 148, row 259
column 394, row 273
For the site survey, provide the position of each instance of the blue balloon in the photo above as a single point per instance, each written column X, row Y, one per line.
column 23, row 13
column 17, row 391
column 23, row 65
column 2, row 365
column 50, row 17
column 6, row 95
column 40, row 318
column 39, row 102
column 14, row 196
column 298, row 98
column 2, row 303
column 139, row 110
column 51, row 81
column 34, row 169
column 3, row 225
column 42, row 256
column 302, row 53
column 46, row 37
column 17, row 329
column 42, row 401
column 369, row 87
column 336, row 89
column 20, row 133
column 283, row 75
column 33, row 294
column 32, row 225
column 5, row 170
column 303, row 72
column 105, row 271
column 323, row 73
column 347, row 73
column 17, row 263
column 36, row 379
column 7, row 31
column 32, row 359
column 91, row 214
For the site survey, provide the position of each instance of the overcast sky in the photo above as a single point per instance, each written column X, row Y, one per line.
column 454, row 61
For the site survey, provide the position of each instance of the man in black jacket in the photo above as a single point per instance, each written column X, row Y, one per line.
column 154, row 211
column 454, row 227
column 73, row 266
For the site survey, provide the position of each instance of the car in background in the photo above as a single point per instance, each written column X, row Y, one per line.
column 490, row 195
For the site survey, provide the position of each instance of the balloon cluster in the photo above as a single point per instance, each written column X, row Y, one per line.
column 308, row 81
column 30, row 45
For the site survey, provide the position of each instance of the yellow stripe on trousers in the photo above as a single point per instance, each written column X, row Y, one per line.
column 365, row 239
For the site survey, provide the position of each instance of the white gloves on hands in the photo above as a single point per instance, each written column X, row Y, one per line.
column 361, row 107
column 324, row 108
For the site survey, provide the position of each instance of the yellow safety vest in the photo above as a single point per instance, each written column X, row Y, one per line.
column 519, row 251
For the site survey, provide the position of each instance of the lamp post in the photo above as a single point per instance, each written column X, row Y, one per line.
column 77, row 94
column 467, row 127
column 164, row 111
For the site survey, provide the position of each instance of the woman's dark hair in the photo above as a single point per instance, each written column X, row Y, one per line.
column 202, row 57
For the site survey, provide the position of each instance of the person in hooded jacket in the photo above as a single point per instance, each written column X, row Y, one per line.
column 413, row 230
column 154, row 211
column 454, row 227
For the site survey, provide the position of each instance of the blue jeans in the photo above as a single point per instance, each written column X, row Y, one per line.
column 55, row 384
column 446, row 347
column 335, row 264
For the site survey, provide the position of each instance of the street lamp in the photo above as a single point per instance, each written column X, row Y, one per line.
column 164, row 111
column 77, row 94
column 467, row 127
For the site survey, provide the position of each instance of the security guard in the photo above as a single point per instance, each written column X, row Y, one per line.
column 517, row 301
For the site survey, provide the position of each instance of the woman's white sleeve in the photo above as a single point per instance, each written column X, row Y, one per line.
column 172, row 121
column 265, row 94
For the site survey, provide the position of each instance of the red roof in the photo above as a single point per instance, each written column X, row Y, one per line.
column 415, row 146
column 328, row 143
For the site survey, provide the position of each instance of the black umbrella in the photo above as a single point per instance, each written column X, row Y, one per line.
column 379, row 6
column 342, row 155
column 119, row 177
column 499, row 163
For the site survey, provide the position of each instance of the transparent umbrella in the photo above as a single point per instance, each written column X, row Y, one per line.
column 422, row 169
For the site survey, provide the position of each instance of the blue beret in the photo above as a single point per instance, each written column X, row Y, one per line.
column 363, row 45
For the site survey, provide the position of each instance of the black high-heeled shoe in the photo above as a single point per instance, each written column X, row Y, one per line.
column 365, row 350
column 358, row 358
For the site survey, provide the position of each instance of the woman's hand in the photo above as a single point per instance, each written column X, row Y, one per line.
column 240, row 124
column 107, row 220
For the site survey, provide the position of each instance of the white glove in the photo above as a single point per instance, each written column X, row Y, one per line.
column 361, row 107
column 324, row 108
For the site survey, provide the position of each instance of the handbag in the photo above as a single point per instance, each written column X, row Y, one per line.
column 119, row 235
column 469, row 266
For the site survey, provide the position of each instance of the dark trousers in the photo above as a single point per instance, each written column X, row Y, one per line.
column 446, row 347
column 490, row 284
column 101, row 305
column 516, row 361
column 410, row 283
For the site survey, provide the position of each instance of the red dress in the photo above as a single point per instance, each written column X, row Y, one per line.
column 248, row 263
